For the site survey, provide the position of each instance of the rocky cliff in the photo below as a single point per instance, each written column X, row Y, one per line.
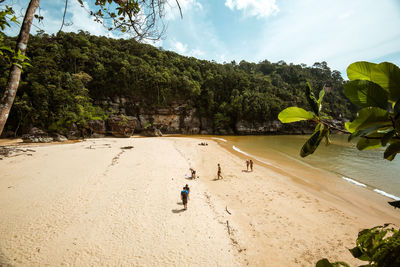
column 130, row 117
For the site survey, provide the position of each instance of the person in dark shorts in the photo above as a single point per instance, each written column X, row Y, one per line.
column 247, row 164
column 187, row 188
column 219, row 172
column 184, row 197
column 251, row 165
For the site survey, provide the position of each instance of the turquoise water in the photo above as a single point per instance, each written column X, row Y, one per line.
column 342, row 158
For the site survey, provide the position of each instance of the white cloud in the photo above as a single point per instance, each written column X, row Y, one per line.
column 339, row 33
column 254, row 8
column 182, row 49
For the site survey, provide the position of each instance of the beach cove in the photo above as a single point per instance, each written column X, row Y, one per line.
column 96, row 202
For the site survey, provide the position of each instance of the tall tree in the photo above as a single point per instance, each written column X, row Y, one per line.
column 15, row 71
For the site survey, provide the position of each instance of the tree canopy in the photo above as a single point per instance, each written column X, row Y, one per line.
column 224, row 93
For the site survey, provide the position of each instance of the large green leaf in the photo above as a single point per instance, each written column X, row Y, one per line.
column 366, row 94
column 396, row 110
column 387, row 75
column 363, row 132
column 311, row 99
column 360, row 70
column 387, row 137
column 311, row 145
column 391, row 151
column 320, row 98
column 365, row 143
column 293, row 114
column 368, row 117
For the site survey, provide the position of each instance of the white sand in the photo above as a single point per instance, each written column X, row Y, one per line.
column 93, row 203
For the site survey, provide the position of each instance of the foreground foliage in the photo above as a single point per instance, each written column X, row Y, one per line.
column 375, row 88
column 379, row 246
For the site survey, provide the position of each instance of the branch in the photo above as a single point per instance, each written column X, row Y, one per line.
column 226, row 208
column 180, row 9
column 65, row 11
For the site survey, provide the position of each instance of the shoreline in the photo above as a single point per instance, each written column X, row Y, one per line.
column 339, row 175
column 108, row 205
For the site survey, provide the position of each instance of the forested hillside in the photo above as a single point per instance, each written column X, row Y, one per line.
column 75, row 78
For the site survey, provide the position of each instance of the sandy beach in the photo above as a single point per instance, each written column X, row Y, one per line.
column 99, row 203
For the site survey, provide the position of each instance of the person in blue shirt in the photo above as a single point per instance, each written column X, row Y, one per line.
column 184, row 197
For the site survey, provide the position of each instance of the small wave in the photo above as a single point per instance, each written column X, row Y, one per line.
column 353, row 181
column 240, row 151
column 386, row 194
column 220, row 139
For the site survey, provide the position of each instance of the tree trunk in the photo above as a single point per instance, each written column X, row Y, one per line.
column 15, row 71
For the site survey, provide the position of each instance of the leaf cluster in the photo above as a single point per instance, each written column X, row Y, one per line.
column 140, row 18
column 322, row 130
column 379, row 246
column 375, row 88
column 7, row 15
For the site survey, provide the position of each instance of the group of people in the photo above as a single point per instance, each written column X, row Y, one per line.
column 186, row 190
column 249, row 163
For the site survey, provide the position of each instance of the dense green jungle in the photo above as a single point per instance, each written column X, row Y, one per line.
column 74, row 75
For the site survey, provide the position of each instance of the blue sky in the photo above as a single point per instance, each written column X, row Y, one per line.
column 296, row 31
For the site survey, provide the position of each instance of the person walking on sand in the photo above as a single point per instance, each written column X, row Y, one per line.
column 251, row 165
column 247, row 164
column 187, row 188
column 184, row 197
column 219, row 172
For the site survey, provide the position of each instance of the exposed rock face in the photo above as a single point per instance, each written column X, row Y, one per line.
column 59, row 138
column 166, row 123
column 191, row 123
column 273, row 127
column 73, row 133
column 122, row 126
column 96, row 126
column 151, row 132
column 178, row 118
column 36, row 135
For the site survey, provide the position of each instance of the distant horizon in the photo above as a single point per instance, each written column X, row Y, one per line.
column 303, row 32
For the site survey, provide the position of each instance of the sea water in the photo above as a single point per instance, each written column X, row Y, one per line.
column 365, row 168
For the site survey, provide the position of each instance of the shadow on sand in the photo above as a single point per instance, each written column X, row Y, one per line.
column 178, row 211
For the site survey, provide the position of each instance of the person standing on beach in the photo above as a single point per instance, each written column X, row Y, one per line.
column 219, row 172
column 251, row 165
column 184, row 197
column 247, row 164
column 187, row 188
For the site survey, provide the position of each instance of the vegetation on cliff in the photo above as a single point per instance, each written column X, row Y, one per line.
column 71, row 72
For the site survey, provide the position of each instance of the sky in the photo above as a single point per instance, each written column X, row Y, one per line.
column 297, row 31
